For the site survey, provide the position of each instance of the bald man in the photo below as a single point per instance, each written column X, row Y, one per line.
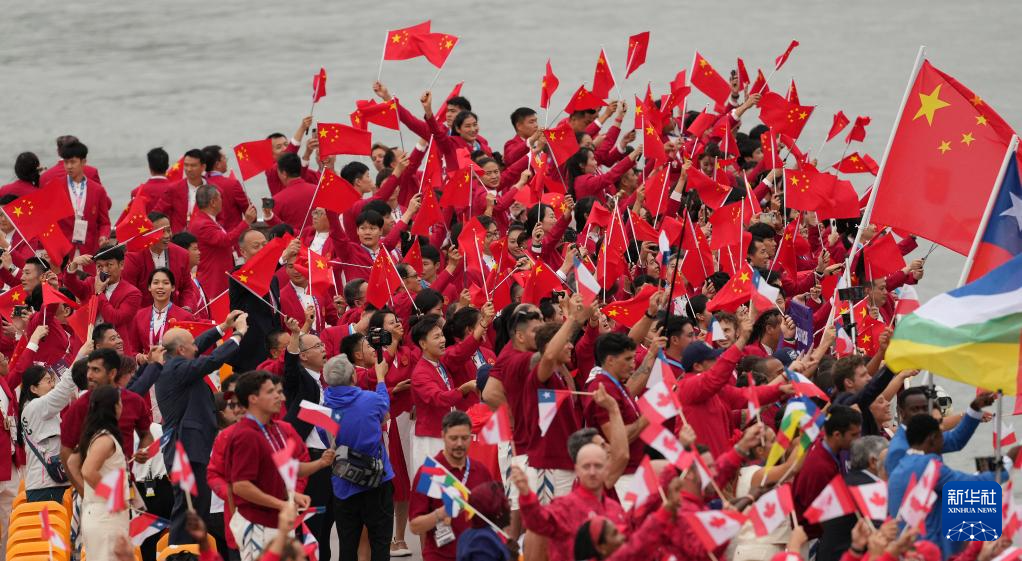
column 186, row 401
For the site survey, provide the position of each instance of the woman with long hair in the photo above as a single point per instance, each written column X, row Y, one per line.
column 98, row 454
column 151, row 322
column 583, row 181
column 42, row 399
column 26, row 169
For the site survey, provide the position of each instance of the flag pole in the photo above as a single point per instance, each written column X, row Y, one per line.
column 1012, row 146
column 319, row 185
column 1000, row 434
column 383, row 55
column 864, row 221
column 611, row 71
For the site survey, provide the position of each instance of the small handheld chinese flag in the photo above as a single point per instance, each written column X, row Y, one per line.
column 254, row 157
column 548, row 86
column 319, row 85
column 637, row 46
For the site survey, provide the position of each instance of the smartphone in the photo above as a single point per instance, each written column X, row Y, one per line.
column 767, row 218
column 103, row 276
column 20, row 310
column 268, row 202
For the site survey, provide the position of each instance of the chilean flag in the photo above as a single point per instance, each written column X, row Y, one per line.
column 318, row 415
column 181, row 473
column 111, row 488
column 497, row 428
column 771, row 509
column 833, row 502
column 1001, row 239
column 804, row 386
column 157, row 446
column 715, row 527
column 586, row 283
column 549, row 402
column 145, row 525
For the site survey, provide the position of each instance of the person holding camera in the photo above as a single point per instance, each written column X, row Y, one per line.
column 362, row 474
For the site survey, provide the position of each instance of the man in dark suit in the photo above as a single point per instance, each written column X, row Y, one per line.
column 866, row 467
column 186, row 402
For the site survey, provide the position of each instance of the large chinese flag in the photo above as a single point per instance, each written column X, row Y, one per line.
column 946, row 153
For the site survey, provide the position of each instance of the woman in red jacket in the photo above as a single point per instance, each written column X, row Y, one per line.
column 585, row 182
column 152, row 322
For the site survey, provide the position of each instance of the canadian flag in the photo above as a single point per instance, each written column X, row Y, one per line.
column 656, row 374
column 549, row 402
column 771, row 509
column 690, row 458
column 871, row 499
column 643, row 485
column 920, row 496
column 48, row 532
column 659, row 403
column 497, row 428
column 753, row 398
column 833, row 502
column 111, row 488
column 1007, row 433
column 181, row 473
column 287, row 465
column 664, row 441
column 715, row 527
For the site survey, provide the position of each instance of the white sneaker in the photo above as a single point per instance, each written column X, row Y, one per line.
column 399, row 551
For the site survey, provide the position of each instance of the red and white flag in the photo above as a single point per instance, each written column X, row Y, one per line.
column 181, row 473
column 48, row 533
column 689, row 459
column 111, row 489
column 833, row 502
column 715, row 527
column 659, row 403
column 318, row 415
column 644, row 484
column 771, row 510
column 753, row 398
column 287, row 465
column 145, row 525
column 1007, row 433
column 549, row 402
column 497, row 428
column 664, row 441
column 920, row 496
column 871, row 499
column 587, row 285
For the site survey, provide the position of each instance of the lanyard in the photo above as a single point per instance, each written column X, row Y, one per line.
column 621, row 389
column 77, row 191
column 468, row 468
column 443, row 373
column 163, row 325
column 266, row 433
column 671, row 361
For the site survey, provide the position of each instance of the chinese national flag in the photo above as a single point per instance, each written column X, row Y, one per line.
column 629, row 312
column 840, row 122
column 702, row 123
column 779, row 61
column 383, row 280
column 883, row 257
column 541, row 283
column 643, row 231
column 603, row 79
column 867, row 328
column 838, row 198
column 698, row 263
column 176, row 171
column 135, row 221
column 637, row 46
column 858, row 132
column 728, row 222
column 336, row 138
column 53, row 296
column 383, row 113
column 413, row 256
column 854, row 163
column 743, row 74
column 738, row 291
column 10, row 299
column 782, row 115
column 317, row 269
column 35, row 212
column 771, row 152
column 254, row 157
column 708, row 81
column 652, row 146
column 787, row 257
column 436, row 47
column 712, row 194
column 144, row 240
column 789, row 143
column 84, row 318
column 55, row 243
column 802, row 190
column 562, row 142
column 793, row 92
column 471, row 242
column 400, row 45
column 583, row 100
column 548, row 86
column 610, row 263
column 319, row 85
column 428, row 215
column 258, row 271
column 656, row 191
column 458, row 189
column 441, row 115
column 942, row 164
column 760, row 85
column 334, row 193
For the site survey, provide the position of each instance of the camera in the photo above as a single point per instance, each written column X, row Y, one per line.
column 268, row 202
column 379, row 338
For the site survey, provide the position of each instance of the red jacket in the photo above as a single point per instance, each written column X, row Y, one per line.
column 174, row 204
column 515, row 148
column 138, row 265
column 432, row 396
column 273, row 180
column 291, row 306
column 137, row 338
column 818, row 469
column 8, row 461
column 292, row 204
column 593, row 185
column 57, row 171
column 119, row 309
column 96, row 213
column 18, row 188
column 234, row 198
column 216, row 246
column 559, row 520
column 153, row 189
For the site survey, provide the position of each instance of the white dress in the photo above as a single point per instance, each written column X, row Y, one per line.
column 100, row 528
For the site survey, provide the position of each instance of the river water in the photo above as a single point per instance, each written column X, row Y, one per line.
column 128, row 76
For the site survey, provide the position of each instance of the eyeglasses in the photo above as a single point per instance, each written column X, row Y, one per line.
column 319, row 345
column 233, row 405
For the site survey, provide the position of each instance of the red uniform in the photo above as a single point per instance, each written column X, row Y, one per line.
column 142, row 332
column 419, row 504
column 119, row 308
column 511, row 368
column 92, row 206
column 549, row 451
column 597, row 416
column 292, row 204
column 57, row 171
column 138, row 265
column 559, row 520
column 232, row 193
column 435, row 388
column 18, row 188
column 216, row 245
column 135, row 418
column 291, row 305
column 175, row 204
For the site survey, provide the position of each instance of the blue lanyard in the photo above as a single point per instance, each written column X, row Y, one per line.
column 266, row 433
column 468, row 468
column 624, row 392
column 671, row 361
column 443, row 375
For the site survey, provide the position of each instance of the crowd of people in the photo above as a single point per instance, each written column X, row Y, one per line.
column 187, row 372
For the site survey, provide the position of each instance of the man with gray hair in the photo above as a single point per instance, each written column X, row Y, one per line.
column 362, row 474
column 216, row 245
column 867, row 467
